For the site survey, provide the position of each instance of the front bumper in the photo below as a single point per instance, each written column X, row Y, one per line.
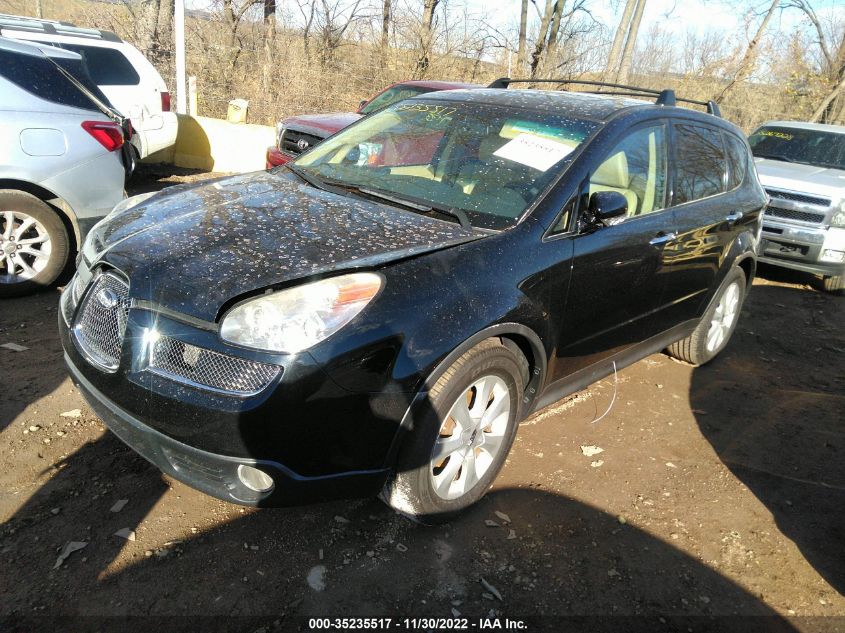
column 217, row 475
column 276, row 157
column 801, row 248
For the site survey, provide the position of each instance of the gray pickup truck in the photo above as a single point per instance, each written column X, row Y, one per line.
column 802, row 168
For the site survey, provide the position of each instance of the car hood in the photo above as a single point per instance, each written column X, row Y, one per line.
column 194, row 248
column 321, row 125
column 821, row 181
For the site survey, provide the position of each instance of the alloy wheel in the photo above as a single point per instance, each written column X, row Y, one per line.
column 471, row 437
column 25, row 247
column 723, row 318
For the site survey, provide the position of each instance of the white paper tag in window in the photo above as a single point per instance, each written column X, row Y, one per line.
column 535, row 151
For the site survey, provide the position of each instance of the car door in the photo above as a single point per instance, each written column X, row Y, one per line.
column 618, row 271
column 706, row 221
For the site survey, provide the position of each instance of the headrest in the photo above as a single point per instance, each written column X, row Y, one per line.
column 489, row 145
column 613, row 172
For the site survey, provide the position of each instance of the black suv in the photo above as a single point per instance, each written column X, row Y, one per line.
column 379, row 315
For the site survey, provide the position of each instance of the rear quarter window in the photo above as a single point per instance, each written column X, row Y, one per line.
column 107, row 66
column 738, row 158
column 700, row 163
column 40, row 77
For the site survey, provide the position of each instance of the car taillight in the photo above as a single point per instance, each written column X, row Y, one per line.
column 108, row 134
column 165, row 102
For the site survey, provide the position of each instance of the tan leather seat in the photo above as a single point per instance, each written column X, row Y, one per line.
column 612, row 175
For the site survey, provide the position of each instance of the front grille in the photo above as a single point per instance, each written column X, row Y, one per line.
column 798, row 197
column 291, row 140
column 205, row 368
column 793, row 214
column 101, row 321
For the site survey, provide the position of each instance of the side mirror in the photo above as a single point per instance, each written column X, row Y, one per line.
column 362, row 104
column 606, row 205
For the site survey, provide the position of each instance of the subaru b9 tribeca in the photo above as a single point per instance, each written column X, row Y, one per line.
column 348, row 325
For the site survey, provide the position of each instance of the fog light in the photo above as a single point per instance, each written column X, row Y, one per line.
column 255, row 479
column 833, row 256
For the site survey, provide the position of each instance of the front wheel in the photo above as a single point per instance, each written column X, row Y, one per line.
column 461, row 435
column 34, row 244
column 713, row 332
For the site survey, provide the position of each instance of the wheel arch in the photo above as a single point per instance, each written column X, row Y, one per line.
column 57, row 203
column 514, row 335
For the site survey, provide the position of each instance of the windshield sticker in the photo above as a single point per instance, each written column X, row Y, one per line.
column 783, row 135
column 432, row 112
column 534, row 151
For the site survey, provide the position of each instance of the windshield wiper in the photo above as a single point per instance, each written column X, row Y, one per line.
column 425, row 207
column 781, row 157
column 342, row 188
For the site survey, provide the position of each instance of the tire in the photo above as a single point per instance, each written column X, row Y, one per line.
column 835, row 285
column 34, row 244
column 434, row 489
column 704, row 344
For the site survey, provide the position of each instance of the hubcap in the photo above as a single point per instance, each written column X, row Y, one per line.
column 723, row 318
column 470, row 437
column 25, row 247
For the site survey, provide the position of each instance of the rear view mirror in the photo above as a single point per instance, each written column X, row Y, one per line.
column 606, row 205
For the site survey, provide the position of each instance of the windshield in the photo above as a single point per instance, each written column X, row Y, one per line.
column 391, row 96
column 488, row 161
column 796, row 145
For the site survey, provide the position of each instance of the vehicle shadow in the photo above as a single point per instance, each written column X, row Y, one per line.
column 557, row 562
column 29, row 322
column 787, row 444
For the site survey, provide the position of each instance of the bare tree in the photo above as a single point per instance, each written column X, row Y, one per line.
column 550, row 10
column 523, row 28
column 426, row 38
column 612, row 68
column 630, row 43
column 385, row 24
column 746, row 65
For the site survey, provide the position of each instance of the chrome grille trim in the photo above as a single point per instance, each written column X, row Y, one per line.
column 70, row 297
column 798, row 197
column 809, row 217
column 101, row 321
column 207, row 369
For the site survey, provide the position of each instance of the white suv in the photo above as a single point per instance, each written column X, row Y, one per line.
column 127, row 78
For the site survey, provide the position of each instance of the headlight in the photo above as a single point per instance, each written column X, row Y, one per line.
column 838, row 218
column 131, row 201
column 295, row 319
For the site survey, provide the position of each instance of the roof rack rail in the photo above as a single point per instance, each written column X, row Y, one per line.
column 665, row 97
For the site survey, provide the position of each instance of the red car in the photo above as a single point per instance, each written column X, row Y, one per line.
column 299, row 133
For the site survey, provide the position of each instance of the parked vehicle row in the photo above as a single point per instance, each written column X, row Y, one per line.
column 378, row 315
column 61, row 164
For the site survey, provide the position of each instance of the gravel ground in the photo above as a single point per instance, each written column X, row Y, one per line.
column 718, row 493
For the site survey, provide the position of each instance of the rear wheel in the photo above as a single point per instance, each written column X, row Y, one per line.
column 461, row 435
column 717, row 325
column 34, row 244
column 835, row 284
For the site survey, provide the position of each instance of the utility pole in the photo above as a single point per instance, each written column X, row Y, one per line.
column 179, row 36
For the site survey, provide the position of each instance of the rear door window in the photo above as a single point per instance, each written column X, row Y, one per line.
column 700, row 163
column 40, row 77
column 107, row 66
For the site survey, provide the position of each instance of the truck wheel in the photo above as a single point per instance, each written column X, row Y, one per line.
column 34, row 244
column 835, row 284
column 713, row 332
column 461, row 436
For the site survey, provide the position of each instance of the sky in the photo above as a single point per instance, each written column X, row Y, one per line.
column 674, row 15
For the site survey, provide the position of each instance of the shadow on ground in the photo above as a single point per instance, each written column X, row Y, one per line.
column 787, row 441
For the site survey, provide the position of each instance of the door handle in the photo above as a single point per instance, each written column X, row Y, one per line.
column 662, row 238
column 736, row 216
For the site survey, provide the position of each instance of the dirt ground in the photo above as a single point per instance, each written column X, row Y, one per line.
column 719, row 494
